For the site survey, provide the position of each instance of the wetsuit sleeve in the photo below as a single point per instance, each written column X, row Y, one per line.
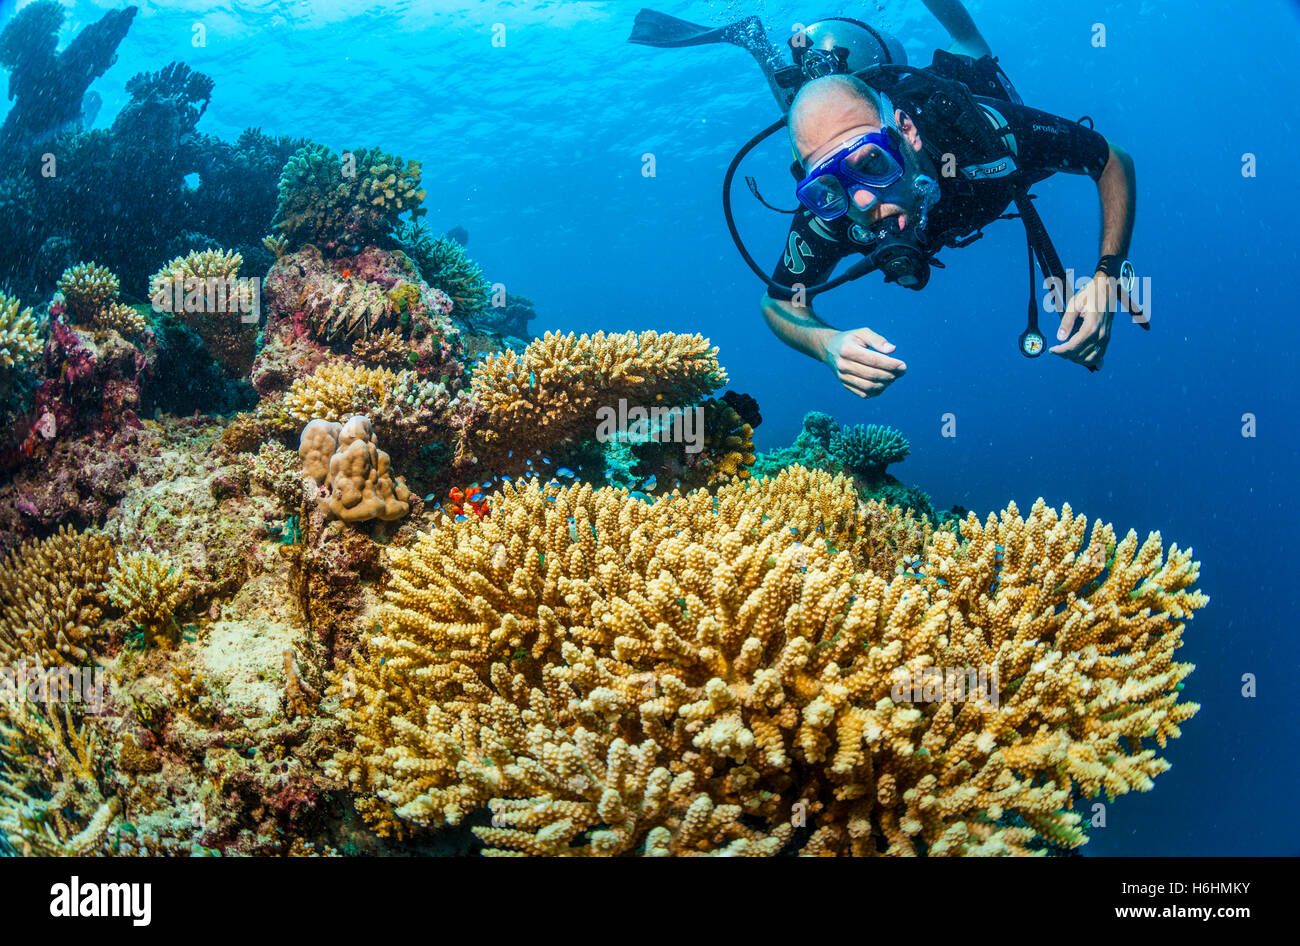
column 1046, row 143
column 812, row 248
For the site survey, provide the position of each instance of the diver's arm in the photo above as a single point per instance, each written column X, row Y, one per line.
column 1117, row 189
column 859, row 357
column 1092, row 308
column 966, row 37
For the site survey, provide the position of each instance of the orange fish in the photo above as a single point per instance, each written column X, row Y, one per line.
column 455, row 495
column 347, row 274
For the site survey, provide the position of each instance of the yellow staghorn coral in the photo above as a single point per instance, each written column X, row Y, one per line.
column 20, row 339
column 51, row 775
column 122, row 318
column 51, row 595
column 708, row 674
column 335, row 390
column 549, row 395
column 87, row 288
column 147, row 587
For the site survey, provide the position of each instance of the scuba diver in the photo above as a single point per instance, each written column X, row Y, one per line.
column 895, row 163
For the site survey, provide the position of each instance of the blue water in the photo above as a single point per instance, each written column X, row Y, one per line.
column 536, row 148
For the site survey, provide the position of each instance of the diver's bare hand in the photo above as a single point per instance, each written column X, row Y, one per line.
column 1093, row 309
column 861, row 360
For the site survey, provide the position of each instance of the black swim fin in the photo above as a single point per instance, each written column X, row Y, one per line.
column 652, row 28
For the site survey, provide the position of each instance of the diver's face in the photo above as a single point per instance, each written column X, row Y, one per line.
column 831, row 127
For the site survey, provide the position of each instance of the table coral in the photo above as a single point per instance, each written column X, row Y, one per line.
column 52, row 593
column 701, row 674
column 353, row 472
column 548, row 397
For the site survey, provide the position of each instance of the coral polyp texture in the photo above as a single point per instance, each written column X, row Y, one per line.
column 706, row 673
column 147, row 588
column 549, row 397
column 344, row 202
column 52, row 593
column 867, row 449
column 203, row 291
column 20, row 338
column 335, row 390
column 353, row 473
column 87, row 288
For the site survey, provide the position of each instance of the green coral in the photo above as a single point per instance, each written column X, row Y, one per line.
column 344, row 203
column 442, row 264
column 20, row 339
column 867, row 449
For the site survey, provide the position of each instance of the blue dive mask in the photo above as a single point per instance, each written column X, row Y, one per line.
column 869, row 162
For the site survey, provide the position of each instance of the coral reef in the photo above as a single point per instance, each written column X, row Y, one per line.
column 20, row 338
column 865, row 450
column 372, row 306
column 353, row 473
column 335, row 390
column 610, row 676
column 548, row 397
column 443, row 264
column 147, row 588
column 87, row 288
column 342, row 204
column 47, row 87
column 51, row 596
column 203, row 291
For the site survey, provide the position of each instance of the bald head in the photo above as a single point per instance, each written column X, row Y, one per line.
column 826, row 109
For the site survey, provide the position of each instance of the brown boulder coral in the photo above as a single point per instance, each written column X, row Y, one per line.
column 353, row 473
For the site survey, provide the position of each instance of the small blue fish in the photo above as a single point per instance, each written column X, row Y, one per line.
column 650, row 482
column 546, row 460
column 637, row 494
column 506, row 479
column 428, row 498
column 510, row 453
column 532, row 379
column 461, row 519
column 565, row 472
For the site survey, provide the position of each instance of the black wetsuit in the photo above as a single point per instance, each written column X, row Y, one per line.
column 1041, row 145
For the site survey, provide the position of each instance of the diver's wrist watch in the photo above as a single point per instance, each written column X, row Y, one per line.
column 1116, row 267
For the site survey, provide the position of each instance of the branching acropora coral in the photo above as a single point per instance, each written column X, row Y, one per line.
column 51, row 595
column 868, row 449
column 337, row 389
column 198, row 264
column 703, row 674
column 20, row 339
column 549, row 396
column 51, row 775
column 122, row 318
column 87, row 288
column 147, row 587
